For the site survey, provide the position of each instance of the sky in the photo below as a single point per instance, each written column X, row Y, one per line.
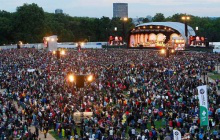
column 136, row 8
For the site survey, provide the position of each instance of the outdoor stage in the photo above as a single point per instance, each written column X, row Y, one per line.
column 157, row 35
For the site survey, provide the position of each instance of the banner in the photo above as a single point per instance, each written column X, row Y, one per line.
column 30, row 70
column 203, row 105
column 176, row 135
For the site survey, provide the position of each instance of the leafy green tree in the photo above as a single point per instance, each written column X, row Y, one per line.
column 159, row 17
column 145, row 20
column 6, row 27
column 29, row 23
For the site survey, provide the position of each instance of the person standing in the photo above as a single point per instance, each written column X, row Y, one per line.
column 36, row 131
column 45, row 132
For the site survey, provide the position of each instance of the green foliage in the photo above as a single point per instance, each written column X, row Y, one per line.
column 159, row 17
column 5, row 27
column 145, row 20
column 215, row 76
column 30, row 24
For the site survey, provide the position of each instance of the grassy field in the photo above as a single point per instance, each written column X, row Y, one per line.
column 56, row 136
column 215, row 76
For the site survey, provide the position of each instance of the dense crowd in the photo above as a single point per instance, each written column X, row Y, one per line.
column 136, row 94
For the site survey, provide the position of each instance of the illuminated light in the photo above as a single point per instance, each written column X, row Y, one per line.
column 82, row 43
column 54, row 52
column 20, row 43
column 162, row 51
column 76, row 44
column 63, row 52
column 90, row 78
column 169, row 29
column 125, row 19
column 47, row 38
column 144, row 27
column 172, row 51
column 52, row 39
column 151, row 27
column 71, row 78
column 115, row 28
column 185, row 18
column 165, row 28
column 158, row 27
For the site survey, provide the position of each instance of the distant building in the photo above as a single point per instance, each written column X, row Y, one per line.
column 58, row 11
column 120, row 10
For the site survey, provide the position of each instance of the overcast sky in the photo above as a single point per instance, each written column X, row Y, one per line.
column 136, row 8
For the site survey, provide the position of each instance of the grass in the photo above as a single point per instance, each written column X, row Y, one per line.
column 56, row 136
column 215, row 76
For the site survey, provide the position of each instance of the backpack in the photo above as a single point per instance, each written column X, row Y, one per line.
column 150, row 134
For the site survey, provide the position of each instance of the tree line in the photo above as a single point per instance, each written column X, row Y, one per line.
column 30, row 24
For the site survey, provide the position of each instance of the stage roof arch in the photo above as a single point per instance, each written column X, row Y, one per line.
column 180, row 27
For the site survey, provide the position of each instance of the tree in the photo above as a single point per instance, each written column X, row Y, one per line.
column 159, row 17
column 29, row 23
column 145, row 20
column 5, row 27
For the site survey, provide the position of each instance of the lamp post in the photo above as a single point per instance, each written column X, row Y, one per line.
column 115, row 30
column 125, row 19
column 58, row 54
column 185, row 19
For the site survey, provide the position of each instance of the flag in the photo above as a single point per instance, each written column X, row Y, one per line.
column 203, row 105
column 176, row 135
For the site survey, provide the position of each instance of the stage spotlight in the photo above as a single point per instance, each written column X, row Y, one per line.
column 172, row 51
column 54, row 52
column 163, row 51
column 90, row 78
column 63, row 52
column 71, row 78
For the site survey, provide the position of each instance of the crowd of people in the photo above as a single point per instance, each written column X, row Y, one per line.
column 135, row 95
